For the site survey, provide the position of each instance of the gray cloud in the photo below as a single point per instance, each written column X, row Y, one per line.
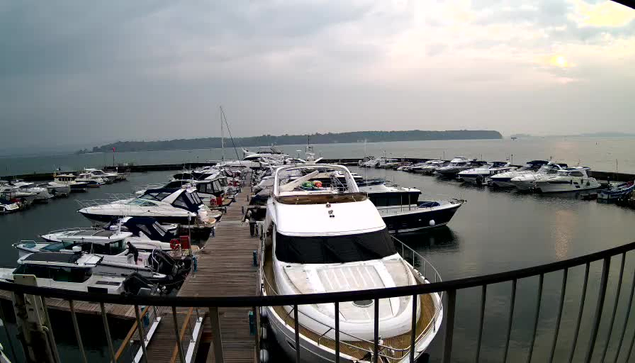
column 119, row 70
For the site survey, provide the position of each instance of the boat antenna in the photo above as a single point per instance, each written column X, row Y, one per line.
column 224, row 118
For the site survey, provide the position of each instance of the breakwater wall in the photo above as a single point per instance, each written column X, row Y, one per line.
column 600, row 175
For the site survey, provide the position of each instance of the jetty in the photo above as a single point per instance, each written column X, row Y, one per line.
column 225, row 268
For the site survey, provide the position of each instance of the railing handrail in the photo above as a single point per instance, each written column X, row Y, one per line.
column 322, row 298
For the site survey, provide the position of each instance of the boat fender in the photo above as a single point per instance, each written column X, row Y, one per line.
column 432, row 223
column 263, row 333
column 264, row 355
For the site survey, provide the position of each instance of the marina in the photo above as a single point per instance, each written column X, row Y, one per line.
column 225, row 262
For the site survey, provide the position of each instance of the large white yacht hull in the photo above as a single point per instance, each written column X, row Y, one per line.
column 311, row 352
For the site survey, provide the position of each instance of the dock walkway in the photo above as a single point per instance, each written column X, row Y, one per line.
column 225, row 268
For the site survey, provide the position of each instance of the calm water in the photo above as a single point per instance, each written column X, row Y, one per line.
column 492, row 232
column 597, row 153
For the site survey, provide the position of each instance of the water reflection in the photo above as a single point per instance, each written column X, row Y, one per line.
column 562, row 233
column 437, row 238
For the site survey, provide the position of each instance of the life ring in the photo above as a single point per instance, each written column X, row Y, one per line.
column 175, row 244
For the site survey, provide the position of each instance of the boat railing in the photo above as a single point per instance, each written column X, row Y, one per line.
column 416, row 261
column 603, row 336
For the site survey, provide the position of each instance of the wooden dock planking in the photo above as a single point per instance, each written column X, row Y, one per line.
column 125, row 312
column 225, row 268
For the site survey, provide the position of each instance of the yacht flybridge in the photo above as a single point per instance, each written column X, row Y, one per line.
column 330, row 238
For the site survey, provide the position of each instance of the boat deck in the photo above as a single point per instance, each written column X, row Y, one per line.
column 357, row 349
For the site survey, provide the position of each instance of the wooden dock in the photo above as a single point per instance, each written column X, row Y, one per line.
column 125, row 312
column 225, row 268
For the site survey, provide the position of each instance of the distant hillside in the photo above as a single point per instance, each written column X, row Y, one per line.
column 265, row 140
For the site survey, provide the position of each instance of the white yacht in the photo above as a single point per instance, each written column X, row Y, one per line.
column 181, row 205
column 68, row 271
column 146, row 234
column 57, row 190
column 480, row 176
column 70, row 180
column 90, row 180
column 527, row 181
column 455, row 166
column 503, row 180
column 9, row 191
column 429, row 167
column 332, row 239
column 7, row 206
column 108, row 178
column 567, row 180
column 41, row 194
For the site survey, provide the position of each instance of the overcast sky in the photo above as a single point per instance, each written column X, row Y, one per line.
column 74, row 72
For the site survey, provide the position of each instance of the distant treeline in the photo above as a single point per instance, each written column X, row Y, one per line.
column 266, row 140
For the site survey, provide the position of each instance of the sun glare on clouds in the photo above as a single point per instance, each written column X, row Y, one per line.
column 604, row 14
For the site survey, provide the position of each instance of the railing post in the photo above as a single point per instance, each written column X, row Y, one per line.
column 217, row 338
column 111, row 348
column 533, row 336
column 628, row 316
column 480, row 329
column 296, row 322
column 511, row 319
column 617, row 301
column 598, row 309
column 142, row 335
column 179, row 345
column 78, row 335
column 580, row 312
column 413, row 328
column 50, row 334
column 376, row 333
column 449, row 327
column 563, row 291
column 337, row 332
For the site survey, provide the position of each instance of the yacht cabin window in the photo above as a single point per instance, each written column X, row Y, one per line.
column 334, row 249
column 63, row 274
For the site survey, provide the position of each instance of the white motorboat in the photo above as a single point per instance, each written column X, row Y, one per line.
column 90, row 180
column 181, row 205
column 70, row 180
column 73, row 271
column 567, row 180
column 402, row 210
column 503, row 180
column 429, row 167
column 527, row 181
column 456, row 166
column 57, row 190
column 480, row 176
column 7, row 206
column 332, row 239
column 40, row 194
column 107, row 177
column 146, row 234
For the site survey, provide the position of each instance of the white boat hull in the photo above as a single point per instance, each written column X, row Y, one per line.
column 546, row 187
column 311, row 352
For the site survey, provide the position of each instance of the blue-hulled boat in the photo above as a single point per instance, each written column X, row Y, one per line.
column 616, row 192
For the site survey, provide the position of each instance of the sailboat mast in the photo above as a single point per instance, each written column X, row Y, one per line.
column 222, row 134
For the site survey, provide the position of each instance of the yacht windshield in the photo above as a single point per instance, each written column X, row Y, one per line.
column 334, row 249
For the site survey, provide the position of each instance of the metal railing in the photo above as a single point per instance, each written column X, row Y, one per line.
column 448, row 288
